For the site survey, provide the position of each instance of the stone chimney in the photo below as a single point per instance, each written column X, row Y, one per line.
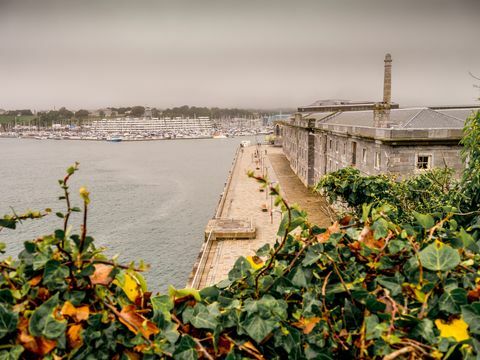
column 381, row 114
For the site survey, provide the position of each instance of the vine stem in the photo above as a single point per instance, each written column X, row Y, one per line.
column 84, row 227
column 197, row 341
column 285, row 236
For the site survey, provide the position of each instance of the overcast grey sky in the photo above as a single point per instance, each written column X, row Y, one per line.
column 245, row 53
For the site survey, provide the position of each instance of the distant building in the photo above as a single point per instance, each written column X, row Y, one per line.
column 373, row 137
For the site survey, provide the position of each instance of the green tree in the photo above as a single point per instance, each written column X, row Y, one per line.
column 81, row 114
column 137, row 111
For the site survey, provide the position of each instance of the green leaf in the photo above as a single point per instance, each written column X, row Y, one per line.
column 162, row 304
column 426, row 221
column 181, row 293
column 8, row 320
column 468, row 241
column 471, row 315
column 54, row 275
column 186, row 349
column 43, row 323
column 12, row 354
column 258, row 328
column 439, row 257
column 202, row 317
column 393, row 284
column 313, row 254
column 240, row 269
column 8, row 223
column 451, row 301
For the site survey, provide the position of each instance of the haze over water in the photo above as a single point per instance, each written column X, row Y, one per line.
column 150, row 200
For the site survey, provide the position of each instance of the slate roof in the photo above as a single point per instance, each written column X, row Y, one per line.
column 408, row 118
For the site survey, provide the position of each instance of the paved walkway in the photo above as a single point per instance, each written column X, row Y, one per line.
column 245, row 201
column 295, row 192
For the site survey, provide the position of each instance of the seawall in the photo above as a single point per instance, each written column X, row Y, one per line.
column 246, row 218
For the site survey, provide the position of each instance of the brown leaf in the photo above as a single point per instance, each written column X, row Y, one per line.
column 73, row 336
column 101, row 275
column 253, row 350
column 307, row 324
column 366, row 237
column 224, row 346
column 43, row 294
column 77, row 313
column 136, row 322
column 332, row 229
column 35, row 280
column 345, row 220
column 474, row 295
column 37, row 345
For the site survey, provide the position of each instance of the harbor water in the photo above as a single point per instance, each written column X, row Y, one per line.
column 150, row 200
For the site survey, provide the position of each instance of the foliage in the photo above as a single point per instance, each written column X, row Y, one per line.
column 137, row 111
column 367, row 289
column 425, row 192
column 470, row 182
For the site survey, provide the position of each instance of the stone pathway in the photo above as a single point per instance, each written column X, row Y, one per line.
column 295, row 192
column 244, row 201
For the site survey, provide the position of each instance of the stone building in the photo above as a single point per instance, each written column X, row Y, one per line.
column 373, row 137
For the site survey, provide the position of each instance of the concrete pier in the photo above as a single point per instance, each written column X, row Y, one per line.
column 245, row 218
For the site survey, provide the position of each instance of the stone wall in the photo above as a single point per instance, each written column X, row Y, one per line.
column 314, row 151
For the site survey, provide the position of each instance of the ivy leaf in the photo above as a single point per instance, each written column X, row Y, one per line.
column 43, row 323
column 456, row 329
column 471, row 315
column 8, row 320
column 426, row 221
column 12, row 354
column 136, row 323
column 439, row 257
column 258, row 328
column 452, row 300
column 201, row 317
column 54, row 275
column 186, row 349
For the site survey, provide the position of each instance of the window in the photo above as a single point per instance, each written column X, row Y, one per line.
column 344, row 148
column 424, row 162
column 377, row 160
column 364, row 155
column 330, row 144
column 336, row 146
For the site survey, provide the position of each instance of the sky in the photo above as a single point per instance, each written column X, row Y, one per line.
column 244, row 53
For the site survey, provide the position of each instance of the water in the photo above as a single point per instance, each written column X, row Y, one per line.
column 150, row 200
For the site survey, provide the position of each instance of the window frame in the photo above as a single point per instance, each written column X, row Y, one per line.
column 377, row 160
column 429, row 162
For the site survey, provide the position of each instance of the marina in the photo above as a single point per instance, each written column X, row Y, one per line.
column 138, row 129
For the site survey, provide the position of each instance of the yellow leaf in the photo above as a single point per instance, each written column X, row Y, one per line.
column 456, row 329
column 255, row 262
column 130, row 287
column 419, row 295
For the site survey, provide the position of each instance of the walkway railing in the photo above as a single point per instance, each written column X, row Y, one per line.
column 202, row 263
